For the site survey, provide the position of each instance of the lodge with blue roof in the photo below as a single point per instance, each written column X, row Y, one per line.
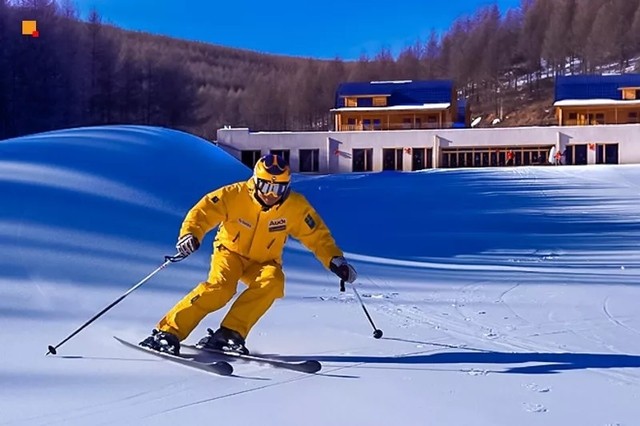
column 597, row 99
column 397, row 105
column 410, row 125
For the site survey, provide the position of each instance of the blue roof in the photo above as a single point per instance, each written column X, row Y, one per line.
column 594, row 86
column 404, row 92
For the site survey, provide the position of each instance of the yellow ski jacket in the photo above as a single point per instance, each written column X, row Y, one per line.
column 259, row 235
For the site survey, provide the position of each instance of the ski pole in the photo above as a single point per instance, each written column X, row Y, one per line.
column 167, row 261
column 377, row 333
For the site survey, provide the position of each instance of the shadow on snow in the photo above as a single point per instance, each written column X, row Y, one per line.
column 545, row 362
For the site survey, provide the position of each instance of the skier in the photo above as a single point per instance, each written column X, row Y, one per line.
column 255, row 217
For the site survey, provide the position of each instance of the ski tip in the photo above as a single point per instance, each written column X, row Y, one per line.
column 124, row 342
column 224, row 368
column 313, row 366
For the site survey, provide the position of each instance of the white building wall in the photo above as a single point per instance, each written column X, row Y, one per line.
column 336, row 147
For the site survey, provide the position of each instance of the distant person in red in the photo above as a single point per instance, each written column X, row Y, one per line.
column 509, row 158
column 558, row 157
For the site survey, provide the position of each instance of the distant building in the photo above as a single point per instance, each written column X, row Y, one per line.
column 584, row 100
column 415, row 125
column 398, row 105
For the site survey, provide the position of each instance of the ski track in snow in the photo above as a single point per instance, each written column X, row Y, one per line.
column 466, row 331
column 614, row 320
column 461, row 326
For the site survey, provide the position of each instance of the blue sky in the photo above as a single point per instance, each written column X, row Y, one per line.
column 312, row 29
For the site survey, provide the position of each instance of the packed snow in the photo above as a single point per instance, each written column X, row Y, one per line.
column 507, row 296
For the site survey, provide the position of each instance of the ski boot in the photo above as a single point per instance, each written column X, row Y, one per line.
column 223, row 339
column 162, row 341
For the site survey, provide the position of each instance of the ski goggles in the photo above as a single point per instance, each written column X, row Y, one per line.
column 274, row 164
column 274, row 188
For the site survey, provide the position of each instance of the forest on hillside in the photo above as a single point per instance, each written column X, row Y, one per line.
column 85, row 72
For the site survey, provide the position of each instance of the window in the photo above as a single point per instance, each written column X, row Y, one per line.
column 611, row 153
column 392, row 159
column 485, row 159
column 517, row 158
column 444, row 163
column 632, row 117
column 250, row 158
column 417, row 158
column 607, row 153
column 576, row 154
column 420, row 159
column 309, row 160
column 379, row 101
column 591, row 119
column 351, row 102
column 284, row 153
column 573, row 116
column 376, row 124
column 461, row 159
column 630, row 93
column 351, row 124
column 600, row 153
column 362, row 160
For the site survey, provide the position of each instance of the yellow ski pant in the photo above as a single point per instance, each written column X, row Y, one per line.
column 265, row 283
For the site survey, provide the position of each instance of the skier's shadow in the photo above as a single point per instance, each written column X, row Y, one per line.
column 546, row 362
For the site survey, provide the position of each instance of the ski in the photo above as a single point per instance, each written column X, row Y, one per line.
column 221, row 368
column 307, row 366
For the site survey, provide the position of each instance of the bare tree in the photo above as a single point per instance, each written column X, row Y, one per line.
column 509, row 51
column 6, row 16
column 409, row 63
column 384, row 65
column 102, row 66
column 363, row 69
column 558, row 38
column 68, row 9
column 432, row 56
column 488, row 37
column 83, row 73
column 583, row 22
column 635, row 35
column 457, row 58
column 615, row 35
column 536, row 18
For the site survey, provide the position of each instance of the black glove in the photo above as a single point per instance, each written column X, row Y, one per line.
column 343, row 269
column 187, row 244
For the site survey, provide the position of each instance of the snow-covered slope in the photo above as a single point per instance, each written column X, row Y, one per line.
column 507, row 296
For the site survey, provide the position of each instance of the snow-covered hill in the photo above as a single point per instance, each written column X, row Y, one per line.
column 507, row 296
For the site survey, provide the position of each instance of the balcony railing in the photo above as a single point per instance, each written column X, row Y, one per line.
column 394, row 126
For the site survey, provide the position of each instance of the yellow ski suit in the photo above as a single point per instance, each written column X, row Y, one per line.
column 248, row 247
